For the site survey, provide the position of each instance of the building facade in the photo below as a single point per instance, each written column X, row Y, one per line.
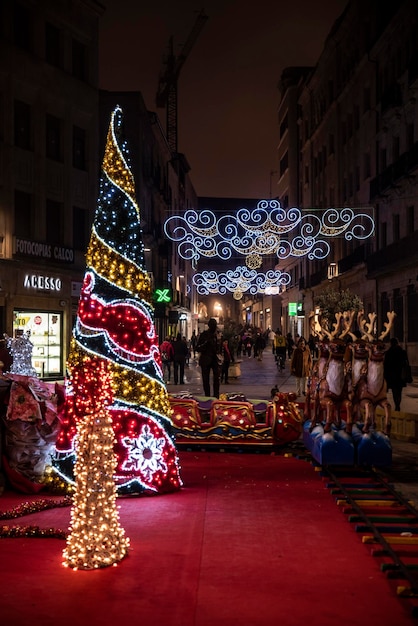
column 49, row 168
column 353, row 122
column 53, row 125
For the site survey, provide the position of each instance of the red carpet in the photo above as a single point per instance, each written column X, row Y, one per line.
column 255, row 540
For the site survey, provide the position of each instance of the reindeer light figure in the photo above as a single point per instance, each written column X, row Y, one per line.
column 368, row 384
column 329, row 383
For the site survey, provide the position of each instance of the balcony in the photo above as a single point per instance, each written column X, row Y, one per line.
column 399, row 254
column 391, row 98
column 401, row 168
column 351, row 260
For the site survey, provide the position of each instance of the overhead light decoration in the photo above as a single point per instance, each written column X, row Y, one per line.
column 268, row 229
column 239, row 280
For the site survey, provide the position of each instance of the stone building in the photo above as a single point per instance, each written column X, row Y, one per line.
column 348, row 137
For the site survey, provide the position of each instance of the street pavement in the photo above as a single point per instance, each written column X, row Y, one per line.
column 259, row 377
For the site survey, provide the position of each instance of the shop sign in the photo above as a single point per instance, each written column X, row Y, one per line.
column 44, row 251
column 296, row 308
column 37, row 281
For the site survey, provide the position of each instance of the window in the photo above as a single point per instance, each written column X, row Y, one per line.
column 284, row 163
column 383, row 235
column 366, row 99
column 53, row 45
column 410, row 130
column 383, row 159
column 395, row 148
column 331, row 144
column 53, row 138
column 410, row 219
column 54, row 225
column 46, row 336
column 412, row 304
column 398, row 308
column 22, row 27
column 22, row 125
column 79, row 229
column 283, row 126
column 79, row 148
column 396, row 227
column 357, row 178
column 356, row 117
column 367, row 165
column 23, row 215
column 79, row 57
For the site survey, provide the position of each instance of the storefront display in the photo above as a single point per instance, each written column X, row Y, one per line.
column 46, row 337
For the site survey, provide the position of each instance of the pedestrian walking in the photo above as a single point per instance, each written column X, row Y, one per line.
column 300, row 365
column 395, row 367
column 290, row 344
column 259, row 345
column 248, row 345
column 209, row 347
column 181, row 350
column 193, row 341
column 167, row 354
column 227, row 358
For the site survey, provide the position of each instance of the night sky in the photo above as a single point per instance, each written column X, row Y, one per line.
column 227, row 89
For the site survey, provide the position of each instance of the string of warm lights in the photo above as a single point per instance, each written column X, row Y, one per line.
column 96, row 538
column 266, row 230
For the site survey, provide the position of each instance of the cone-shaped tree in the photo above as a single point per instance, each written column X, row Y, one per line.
column 115, row 323
column 96, row 538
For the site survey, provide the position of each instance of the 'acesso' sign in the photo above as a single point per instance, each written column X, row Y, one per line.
column 37, row 281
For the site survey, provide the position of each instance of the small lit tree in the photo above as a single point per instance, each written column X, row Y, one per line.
column 333, row 301
column 96, row 538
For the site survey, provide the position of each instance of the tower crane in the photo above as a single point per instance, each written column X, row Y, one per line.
column 167, row 84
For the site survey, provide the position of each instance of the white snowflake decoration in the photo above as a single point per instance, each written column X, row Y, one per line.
column 145, row 453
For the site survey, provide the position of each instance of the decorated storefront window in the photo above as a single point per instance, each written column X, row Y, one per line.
column 46, row 336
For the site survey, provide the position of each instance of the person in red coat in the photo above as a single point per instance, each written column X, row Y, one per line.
column 167, row 355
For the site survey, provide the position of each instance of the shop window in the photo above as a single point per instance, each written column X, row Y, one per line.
column 46, row 336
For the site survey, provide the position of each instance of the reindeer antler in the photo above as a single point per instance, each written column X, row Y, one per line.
column 347, row 321
column 366, row 328
column 388, row 325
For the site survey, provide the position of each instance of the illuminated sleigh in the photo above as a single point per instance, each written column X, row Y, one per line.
column 237, row 421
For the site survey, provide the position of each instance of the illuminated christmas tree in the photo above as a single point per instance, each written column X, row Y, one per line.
column 115, row 324
column 96, row 538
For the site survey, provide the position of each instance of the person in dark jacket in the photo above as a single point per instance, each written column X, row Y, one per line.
column 226, row 354
column 209, row 347
column 395, row 360
column 181, row 351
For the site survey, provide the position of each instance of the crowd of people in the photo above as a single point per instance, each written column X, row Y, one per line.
column 215, row 354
